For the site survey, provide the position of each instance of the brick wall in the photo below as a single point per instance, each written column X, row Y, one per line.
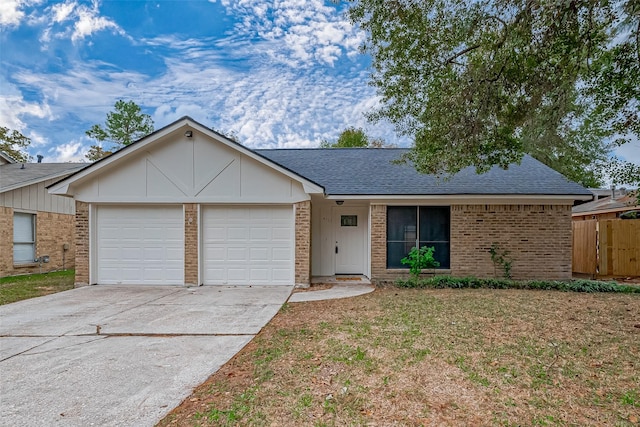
column 303, row 244
column 538, row 238
column 53, row 231
column 6, row 241
column 379, row 243
column 191, row 244
column 82, row 244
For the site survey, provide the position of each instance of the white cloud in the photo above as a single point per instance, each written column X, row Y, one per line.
column 13, row 108
column 73, row 151
column 304, row 30
column 75, row 21
column 12, row 11
column 89, row 22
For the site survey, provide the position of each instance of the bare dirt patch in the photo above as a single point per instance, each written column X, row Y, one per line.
column 433, row 357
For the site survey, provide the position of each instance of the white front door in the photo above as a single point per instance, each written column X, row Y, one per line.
column 350, row 230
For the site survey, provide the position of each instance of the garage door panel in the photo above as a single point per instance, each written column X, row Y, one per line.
column 247, row 245
column 140, row 245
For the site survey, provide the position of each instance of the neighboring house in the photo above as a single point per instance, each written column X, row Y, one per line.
column 33, row 223
column 608, row 204
column 185, row 205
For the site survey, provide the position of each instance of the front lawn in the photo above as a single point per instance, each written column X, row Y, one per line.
column 408, row 357
column 16, row 288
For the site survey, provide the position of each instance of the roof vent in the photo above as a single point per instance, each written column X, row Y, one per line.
column 22, row 167
column 40, row 157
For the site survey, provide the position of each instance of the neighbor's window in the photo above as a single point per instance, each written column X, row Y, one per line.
column 24, row 237
column 409, row 226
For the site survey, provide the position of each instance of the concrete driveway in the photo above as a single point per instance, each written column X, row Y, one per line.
column 121, row 356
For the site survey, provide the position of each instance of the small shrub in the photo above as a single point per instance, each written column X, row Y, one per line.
column 442, row 282
column 420, row 259
column 502, row 259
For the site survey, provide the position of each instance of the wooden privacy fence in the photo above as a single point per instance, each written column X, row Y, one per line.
column 606, row 247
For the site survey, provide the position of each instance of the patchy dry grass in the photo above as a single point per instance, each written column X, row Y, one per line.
column 17, row 288
column 433, row 357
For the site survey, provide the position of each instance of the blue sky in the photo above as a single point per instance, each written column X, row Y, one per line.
column 283, row 73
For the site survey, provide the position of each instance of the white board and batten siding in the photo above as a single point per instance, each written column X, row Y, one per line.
column 191, row 170
column 35, row 197
column 247, row 245
column 140, row 245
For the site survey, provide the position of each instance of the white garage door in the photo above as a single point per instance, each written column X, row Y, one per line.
column 140, row 245
column 247, row 245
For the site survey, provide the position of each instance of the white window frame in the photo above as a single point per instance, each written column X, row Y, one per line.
column 18, row 241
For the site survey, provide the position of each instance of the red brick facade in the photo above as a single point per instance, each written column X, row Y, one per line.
column 191, row 244
column 82, row 244
column 537, row 237
column 303, row 244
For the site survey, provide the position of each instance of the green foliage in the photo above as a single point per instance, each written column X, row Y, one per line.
column 13, row 143
column 420, row 259
column 449, row 282
column 123, row 126
column 354, row 138
column 482, row 83
column 501, row 258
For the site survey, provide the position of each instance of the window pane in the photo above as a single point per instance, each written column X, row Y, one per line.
column 401, row 223
column 23, row 228
column 401, row 233
column 23, row 252
column 348, row 220
column 396, row 251
column 434, row 223
column 441, row 253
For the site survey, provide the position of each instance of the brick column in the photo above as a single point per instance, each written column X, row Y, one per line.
column 82, row 244
column 6, row 241
column 303, row 244
column 191, row 244
column 378, row 241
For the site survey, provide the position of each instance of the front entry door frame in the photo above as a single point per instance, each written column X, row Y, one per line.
column 350, row 240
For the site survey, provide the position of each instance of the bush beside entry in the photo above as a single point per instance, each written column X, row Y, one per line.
column 420, row 259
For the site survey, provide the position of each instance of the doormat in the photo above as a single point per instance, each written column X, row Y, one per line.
column 349, row 279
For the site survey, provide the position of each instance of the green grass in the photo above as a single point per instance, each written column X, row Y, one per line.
column 434, row 357
column 18, row 288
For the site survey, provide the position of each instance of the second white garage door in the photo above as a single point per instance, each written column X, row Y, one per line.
column 247, row 245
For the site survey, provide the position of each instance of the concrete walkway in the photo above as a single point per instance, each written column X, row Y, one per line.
column 338, row 290
column 121, row 356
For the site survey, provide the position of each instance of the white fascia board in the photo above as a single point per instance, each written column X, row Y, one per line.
column 466, row 198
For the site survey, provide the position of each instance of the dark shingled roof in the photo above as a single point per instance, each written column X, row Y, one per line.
column 371, row 171
column 13, row 176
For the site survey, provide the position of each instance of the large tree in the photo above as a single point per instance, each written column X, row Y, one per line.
column 353, row 137
column 481, row 83
column 123, row 126
column 14, row 143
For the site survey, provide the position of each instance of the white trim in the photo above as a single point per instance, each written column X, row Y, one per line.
column 62, row 187
column 181, row 200
column 498, row 198
column 92, row 222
